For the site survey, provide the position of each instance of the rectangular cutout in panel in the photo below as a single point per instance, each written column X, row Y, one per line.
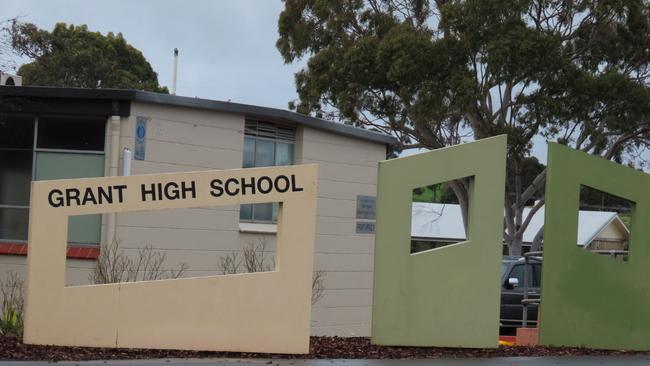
column 437, row 218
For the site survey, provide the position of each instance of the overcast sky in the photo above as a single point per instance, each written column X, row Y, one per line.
column 227, row 48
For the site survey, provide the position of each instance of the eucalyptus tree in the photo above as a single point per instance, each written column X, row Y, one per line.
column 73, row 56
column 437, row 73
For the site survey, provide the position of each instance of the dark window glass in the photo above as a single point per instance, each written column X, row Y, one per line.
column 265, row 144
column 504, row 268
column 537, row 275
column 249, row 152
column 16, row 132
column 15, row 177
column 246, row 212
column 283, row 154
column 13, row 223
column 518, row 273
column 71, row 134
column 263, row 212
column 264, row 153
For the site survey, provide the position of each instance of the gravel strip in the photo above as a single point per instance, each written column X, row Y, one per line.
column 12, row 348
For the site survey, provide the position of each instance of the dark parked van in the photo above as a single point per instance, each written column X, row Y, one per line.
column 512, row 292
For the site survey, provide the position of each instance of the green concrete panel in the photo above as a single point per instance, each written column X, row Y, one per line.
column 449, row 296
column 588, row 299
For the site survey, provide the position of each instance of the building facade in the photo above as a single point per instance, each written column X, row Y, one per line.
column 58, row 133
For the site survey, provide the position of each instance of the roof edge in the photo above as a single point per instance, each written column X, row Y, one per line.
column 264, row 112
column 189, row 102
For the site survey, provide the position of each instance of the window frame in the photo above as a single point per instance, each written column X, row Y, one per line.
column 33, row 170
column 35, row 149
column 275, row 141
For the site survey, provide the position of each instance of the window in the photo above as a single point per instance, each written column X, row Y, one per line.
column 534, row 271
column 47, row 148
column 71, row 134
column 266, row 144
column 16, row 144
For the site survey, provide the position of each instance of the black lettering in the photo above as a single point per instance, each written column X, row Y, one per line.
column 227, row 186
column 72, row 194
column 294, row 186
column 119, row 189
column 245, row 185
column 105, row 194
column 269, row 185
column 144, row 191
column 277, row 183
column 217, row 190
column 57, row 201
column 174, row 193
column 191, row 189
column 89, row 196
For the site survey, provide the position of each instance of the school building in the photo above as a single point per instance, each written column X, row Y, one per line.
column 57, row 133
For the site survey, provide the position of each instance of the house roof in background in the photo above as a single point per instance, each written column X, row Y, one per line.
column 444, row 222
column 124, row 95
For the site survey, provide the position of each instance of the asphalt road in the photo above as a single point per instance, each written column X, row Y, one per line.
column 506, row 361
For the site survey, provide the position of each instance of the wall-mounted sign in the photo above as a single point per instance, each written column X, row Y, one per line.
column 365, row 227
column 366, row 207
column 140, row 137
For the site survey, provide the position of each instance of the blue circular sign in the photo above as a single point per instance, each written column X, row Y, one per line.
column 140, row 132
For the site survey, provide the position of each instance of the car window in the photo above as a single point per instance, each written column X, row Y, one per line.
column 537, row 274
column 504, row 268
column 518, row 273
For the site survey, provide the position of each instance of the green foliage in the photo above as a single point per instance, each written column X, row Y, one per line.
column 73, row 56
column 11, row 313
column 424, row 245
column 438, row 73
column 517, row 67
column 426, row 194
column 11, row 322
column 438, row 193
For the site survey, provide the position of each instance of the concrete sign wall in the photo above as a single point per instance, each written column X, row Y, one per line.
column 587, row 299
column 449, row 296
column 256, row 312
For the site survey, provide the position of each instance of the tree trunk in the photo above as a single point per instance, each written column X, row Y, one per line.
column 514, row 248
column 536, row 245
column 460, row 188
column 515, row 223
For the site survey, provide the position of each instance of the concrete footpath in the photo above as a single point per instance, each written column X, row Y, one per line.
column 505, row 361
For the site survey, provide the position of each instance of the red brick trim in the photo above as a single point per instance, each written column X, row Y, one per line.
column 73, row 252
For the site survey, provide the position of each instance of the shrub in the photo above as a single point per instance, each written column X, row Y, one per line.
column 12, row 292
column 254, row 258
column 113, row 266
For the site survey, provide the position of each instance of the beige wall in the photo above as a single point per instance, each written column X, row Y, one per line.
column 187, row 139
column 348, row 167
column 613, row 231
column 184, row 139
column 77, row 270
column 613, row 236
